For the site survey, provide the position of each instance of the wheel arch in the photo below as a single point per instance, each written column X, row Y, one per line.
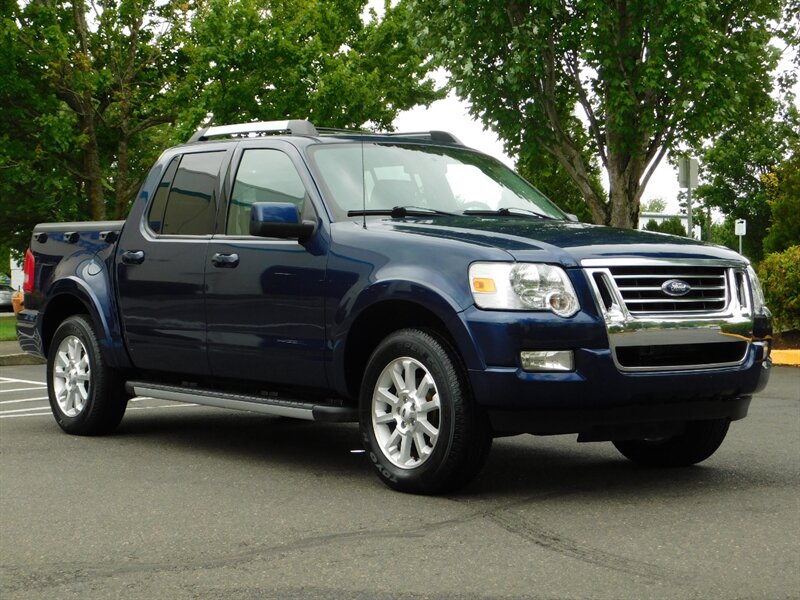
column 69, row 297
column 380, row 319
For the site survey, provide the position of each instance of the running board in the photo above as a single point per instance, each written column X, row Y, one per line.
column 295, row 409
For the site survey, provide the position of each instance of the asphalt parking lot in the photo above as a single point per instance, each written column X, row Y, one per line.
column 194, row 502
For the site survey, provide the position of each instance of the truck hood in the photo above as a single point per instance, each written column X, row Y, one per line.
column 569, row 243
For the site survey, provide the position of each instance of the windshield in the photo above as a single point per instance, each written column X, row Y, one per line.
column 452, row 180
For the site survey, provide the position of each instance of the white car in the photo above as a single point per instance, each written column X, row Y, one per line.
column 5, row 297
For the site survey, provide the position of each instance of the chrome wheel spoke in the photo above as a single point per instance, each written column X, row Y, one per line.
column 424, row 386
column 383, row 418
column 387, row 397
column 421, row 445
column 405, row 449
column 429, row 429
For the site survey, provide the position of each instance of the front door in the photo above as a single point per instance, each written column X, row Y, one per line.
column 264, row 297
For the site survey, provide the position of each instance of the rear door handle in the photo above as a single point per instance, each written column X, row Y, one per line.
column 133, row 257
column 225, row 261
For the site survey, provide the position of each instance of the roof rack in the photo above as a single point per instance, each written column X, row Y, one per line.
column 292, row 126
column 433, row 135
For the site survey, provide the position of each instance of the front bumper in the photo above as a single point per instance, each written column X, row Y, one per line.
column 597, row 394
column 598, row 399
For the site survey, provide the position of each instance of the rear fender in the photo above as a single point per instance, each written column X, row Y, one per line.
column 91, row 288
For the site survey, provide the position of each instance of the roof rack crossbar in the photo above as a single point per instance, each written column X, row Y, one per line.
column 292, row 126
column 434, row 135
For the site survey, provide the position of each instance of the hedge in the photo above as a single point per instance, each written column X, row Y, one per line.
column 780, row 277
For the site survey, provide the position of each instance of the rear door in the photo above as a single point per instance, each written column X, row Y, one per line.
column 264, row 297
column 161, row 265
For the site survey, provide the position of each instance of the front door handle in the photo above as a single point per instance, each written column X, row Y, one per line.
column 225, row 261
column 133, row 257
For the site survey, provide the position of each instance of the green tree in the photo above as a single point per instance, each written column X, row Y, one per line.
column 673, row 226
column 92, row 92
column 783, row 197
column 315, row 59
column 544, row 171
column 37, row 140
column 736, row 167
column 645, row 74
column 655, row 205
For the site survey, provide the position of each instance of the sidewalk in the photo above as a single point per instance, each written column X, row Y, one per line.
column 12, row 355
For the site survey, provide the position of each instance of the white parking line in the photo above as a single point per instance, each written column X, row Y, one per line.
column 22, row 400
column 42, row 414
column 7, row 414
column 27, row 389
column 19, row 410
column 10, row 380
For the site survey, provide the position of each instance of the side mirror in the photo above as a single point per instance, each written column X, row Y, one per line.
column 279, row 220
column 571, row 217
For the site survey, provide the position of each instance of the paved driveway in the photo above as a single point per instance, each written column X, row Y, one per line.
column 194, row 502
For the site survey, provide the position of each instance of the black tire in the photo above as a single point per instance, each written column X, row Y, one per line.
column 698, row 441
column 86, row 396
column 440, row 401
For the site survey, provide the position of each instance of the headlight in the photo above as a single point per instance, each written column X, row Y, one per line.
column 522, row 286
column 755, row 286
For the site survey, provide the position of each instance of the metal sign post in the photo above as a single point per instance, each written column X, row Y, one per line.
column 740, row 229
column 687, row 178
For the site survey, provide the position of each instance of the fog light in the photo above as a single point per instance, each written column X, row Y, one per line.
column 547, row 360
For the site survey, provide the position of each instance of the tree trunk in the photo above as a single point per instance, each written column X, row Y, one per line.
column 121, row 184
column 624, row 193
column 91, row 169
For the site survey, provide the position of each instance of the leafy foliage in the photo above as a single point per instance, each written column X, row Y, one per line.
column 645, row 74
column 737, row 165
column 655, row 205
column 543, row 170
column 91, row 93
column 673, row 226
column 783, row 197
column 780, row 277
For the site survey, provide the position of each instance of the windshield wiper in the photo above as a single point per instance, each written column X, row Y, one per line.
column 399, row 212
column 507, row 212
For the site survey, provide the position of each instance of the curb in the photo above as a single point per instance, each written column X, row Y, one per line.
column 16, row 360
column 786, row 358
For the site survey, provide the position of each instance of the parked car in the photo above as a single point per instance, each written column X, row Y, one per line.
column 402, row 281
column 6, row 291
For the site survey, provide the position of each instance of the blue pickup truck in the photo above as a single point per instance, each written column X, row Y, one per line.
column 401, row 281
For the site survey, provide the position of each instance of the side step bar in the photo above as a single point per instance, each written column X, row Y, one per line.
column 269, row 406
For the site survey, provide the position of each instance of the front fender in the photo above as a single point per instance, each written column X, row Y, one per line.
column 426, row 300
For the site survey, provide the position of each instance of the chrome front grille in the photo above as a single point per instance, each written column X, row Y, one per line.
column 663, row 314
column 645, row 289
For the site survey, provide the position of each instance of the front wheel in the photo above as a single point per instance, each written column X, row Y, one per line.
column 86, row 396
column 698, row 441
column 419, row 424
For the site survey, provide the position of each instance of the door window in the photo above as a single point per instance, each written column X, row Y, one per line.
column 155, row 216
column 191, row 206
column 264, row 175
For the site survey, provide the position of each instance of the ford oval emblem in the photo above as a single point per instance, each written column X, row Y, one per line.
column 676, row 287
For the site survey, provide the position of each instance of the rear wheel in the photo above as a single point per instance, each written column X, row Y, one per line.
column 419, row 423
column 86, row 396
column 698, row 441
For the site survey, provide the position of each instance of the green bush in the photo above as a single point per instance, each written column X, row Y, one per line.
column 780, row 278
